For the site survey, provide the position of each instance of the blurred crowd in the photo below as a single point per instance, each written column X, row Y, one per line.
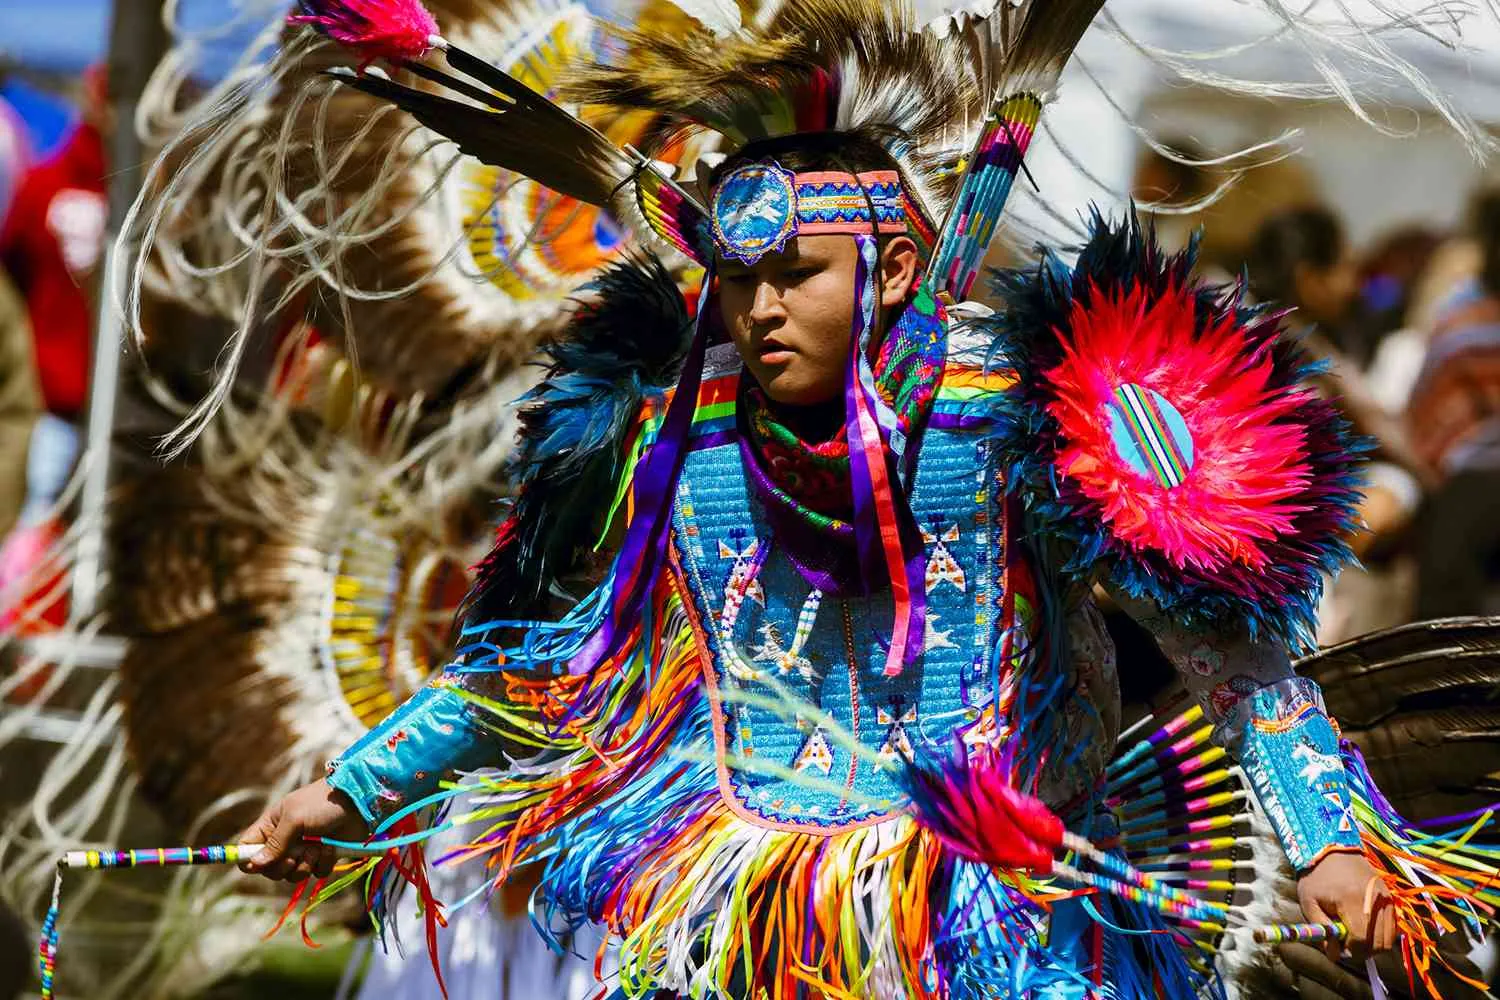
column 53, row 214
column 1408, row 327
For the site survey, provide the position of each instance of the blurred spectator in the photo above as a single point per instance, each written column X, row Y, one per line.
column 1166, row 181
column 1172, row 173
column 51, row 243
column 14, row 156
column 20, row 402
column 1235, row 200
column 1393, row 277
column 1301, row 259
column 1389, row 274
column 1455, row 420
column 1454, row 263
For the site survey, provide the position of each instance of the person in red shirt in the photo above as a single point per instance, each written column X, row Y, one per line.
column 52, row 242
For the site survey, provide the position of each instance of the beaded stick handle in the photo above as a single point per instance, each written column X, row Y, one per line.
column 160, row 857
column 156, row 857
column 1277, row 933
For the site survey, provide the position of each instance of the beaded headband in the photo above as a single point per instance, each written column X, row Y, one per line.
column 759, row 207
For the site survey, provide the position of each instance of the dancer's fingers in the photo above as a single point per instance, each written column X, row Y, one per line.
column 1315, row 913
column 260, row 832
column 302, row 860
column 326, row 858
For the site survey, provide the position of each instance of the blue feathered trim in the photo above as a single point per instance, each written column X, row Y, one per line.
column 622, row 347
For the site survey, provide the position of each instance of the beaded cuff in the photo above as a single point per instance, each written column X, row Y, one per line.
column 403, row 759
column 1289, row 748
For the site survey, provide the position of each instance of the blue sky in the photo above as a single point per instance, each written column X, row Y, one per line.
column 58, row 35
column 64, row 36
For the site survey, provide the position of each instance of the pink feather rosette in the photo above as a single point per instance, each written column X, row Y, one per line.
column 971, row 804
column 396, row 30
column 1166, row 432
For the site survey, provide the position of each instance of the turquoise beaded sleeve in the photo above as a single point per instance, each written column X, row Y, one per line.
column 1289, row 749
column 1272, row 722
column 402, row 760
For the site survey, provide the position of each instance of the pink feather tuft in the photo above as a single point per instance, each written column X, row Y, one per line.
column 973, row 807
column 394, row 30
column 1248, row 480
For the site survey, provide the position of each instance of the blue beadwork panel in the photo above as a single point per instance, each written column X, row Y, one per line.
column 1289, row 750
column 754, row 212
column 957, row 499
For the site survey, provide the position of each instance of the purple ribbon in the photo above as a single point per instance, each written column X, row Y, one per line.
column 645, row 544
column 868, row 543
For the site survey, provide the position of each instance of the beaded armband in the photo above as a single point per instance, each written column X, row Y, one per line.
column 403, row 759
column 1289, row 749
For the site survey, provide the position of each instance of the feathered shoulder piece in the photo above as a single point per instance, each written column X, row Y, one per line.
column 1166, row 429
column 625, row 343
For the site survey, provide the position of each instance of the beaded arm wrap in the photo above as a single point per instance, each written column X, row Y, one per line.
column 403, row 759
column 1272, row 722
column 1289, row 749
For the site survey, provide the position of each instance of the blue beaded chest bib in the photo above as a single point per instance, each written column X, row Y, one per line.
column 784, row 769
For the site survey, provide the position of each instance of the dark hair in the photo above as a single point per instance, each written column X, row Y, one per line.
column 1184, row 181
column 1486, row 224
column 1285, row 242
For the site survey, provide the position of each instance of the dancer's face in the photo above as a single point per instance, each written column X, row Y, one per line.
column 790, row 314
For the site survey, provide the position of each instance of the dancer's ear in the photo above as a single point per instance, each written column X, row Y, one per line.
column 898, row 271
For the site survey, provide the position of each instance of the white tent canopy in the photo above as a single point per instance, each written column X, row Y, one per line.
column 1113, row 87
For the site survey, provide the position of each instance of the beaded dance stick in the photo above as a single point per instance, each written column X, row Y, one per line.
column 157, row 857
column 1277, row 933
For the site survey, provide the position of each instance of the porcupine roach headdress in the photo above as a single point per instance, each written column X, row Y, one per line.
column 955, row 115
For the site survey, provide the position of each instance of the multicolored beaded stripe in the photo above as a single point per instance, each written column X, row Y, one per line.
column 155, row 857
column 982, row 194
column 228, row 854
column 960, row 401
column 1277, row 933
column 47, row 952
column 1158, row 436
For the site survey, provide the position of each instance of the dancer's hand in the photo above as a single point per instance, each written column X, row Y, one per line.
column 1344, row 887
column 285, row 828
